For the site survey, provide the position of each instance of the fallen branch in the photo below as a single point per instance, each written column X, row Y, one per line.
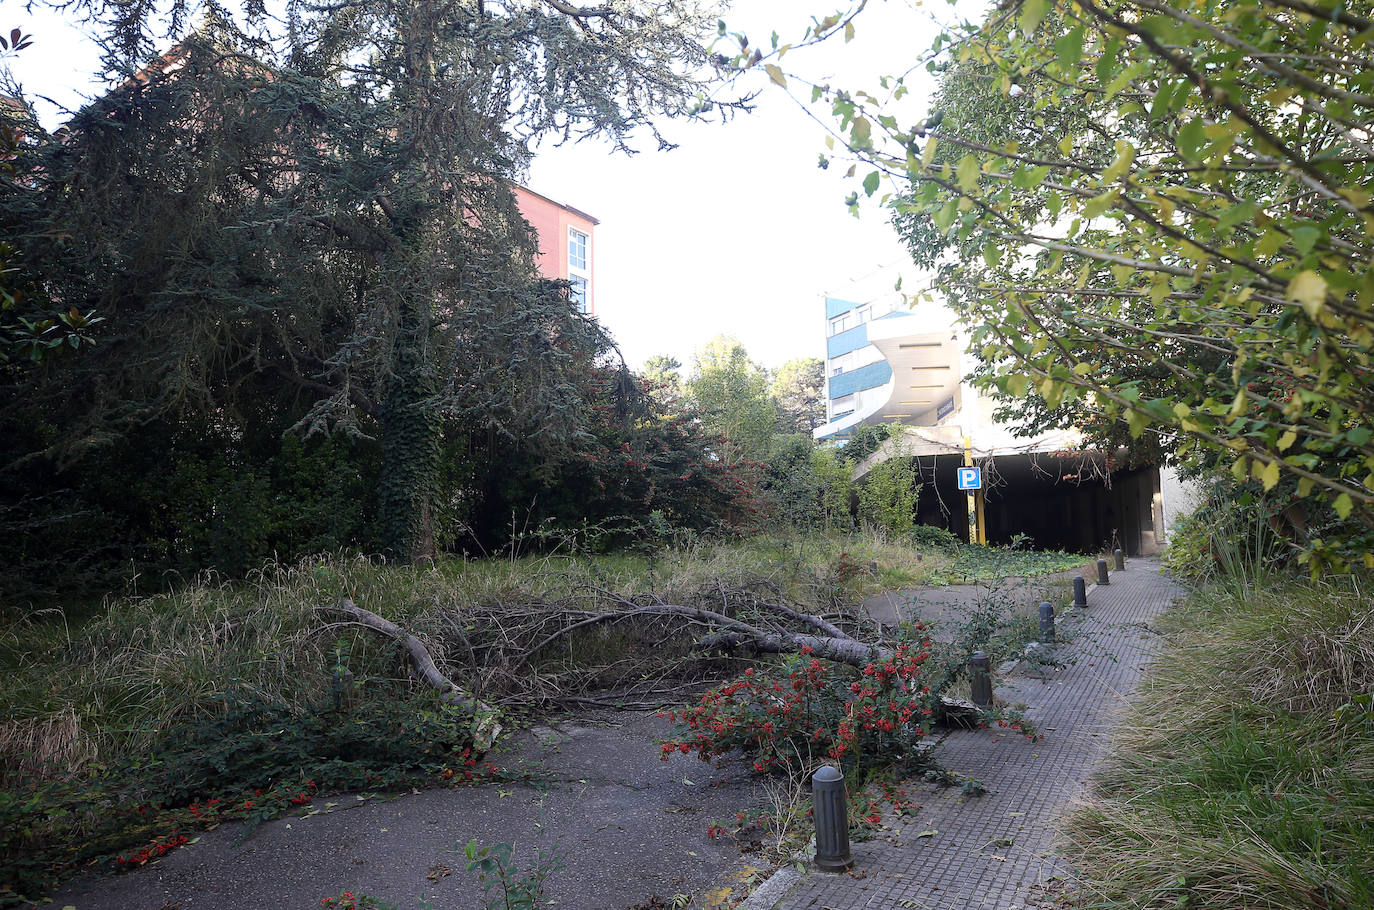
column 487, row 727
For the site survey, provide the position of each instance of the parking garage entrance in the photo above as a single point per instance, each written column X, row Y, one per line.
column 1061, row 500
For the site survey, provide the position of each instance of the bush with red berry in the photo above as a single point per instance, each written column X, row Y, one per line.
column 807, row 711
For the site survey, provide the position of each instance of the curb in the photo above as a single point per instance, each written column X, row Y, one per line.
column 774, row 889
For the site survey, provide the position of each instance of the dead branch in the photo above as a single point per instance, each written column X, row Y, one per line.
column 487, row 728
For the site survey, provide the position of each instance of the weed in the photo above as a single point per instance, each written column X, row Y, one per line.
column 504, row 885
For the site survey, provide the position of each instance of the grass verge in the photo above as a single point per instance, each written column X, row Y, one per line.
column 1244, row 776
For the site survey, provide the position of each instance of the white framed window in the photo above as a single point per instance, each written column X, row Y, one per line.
column 577, row 250
column 578, row 293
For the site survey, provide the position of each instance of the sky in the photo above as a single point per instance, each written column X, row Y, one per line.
column 737, row 231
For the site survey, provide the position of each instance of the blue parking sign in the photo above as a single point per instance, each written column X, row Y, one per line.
column 970, row 478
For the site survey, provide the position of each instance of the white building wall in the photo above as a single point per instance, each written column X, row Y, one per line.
column 1179, row 497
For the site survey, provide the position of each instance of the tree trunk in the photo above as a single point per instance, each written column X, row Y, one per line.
column 411, row 442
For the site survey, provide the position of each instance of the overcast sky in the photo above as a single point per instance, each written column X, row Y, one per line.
column 736, row 231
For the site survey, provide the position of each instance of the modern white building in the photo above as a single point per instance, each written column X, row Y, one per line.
column 887, row 364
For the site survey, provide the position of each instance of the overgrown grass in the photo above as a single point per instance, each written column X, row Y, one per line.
column 147, row 664
column 98, row 715
column 1244, row 777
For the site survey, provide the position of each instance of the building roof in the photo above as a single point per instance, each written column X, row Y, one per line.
column 566, row 208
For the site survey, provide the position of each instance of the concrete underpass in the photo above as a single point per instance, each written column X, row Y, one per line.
column 1065, row 503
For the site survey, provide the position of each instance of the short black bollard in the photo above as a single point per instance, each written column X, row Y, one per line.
column 1080, row 591
column 1047, row 623
column 832, row 820
column 1102, row 578
column 1120, row 560
column 980, row 679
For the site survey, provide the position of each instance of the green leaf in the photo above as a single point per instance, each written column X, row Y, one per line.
column 1125, row 157
column 928, row 153
column 871, row 183
column 1099, row 204
column 1236, row 215
column 1069, row 47
column 1305, row 238
column 1190, row 138
column 860, row 131
column 1032, row 12
column 1309, row 289
column 1137, row 421
column 1344, row 506
column 969, row 172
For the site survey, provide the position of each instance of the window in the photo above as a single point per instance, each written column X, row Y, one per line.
column 577, row 250
column 837, row 371
column 578, row 293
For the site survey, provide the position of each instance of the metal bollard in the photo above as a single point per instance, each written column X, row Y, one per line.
column 1047, row 622
column 1080, row 591
column 980, row 679
column 1120, row 560
column 1102, row 578
column 832, row 820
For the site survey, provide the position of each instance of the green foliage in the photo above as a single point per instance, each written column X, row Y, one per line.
column 1160, row 217
column 887, row 496
column 798, row 386
column 937, row 538
column 866, row 439
column 730, row 393
column 261, row 222
column 1271, row 791
column 832, row 475
column 179, row 498
column 504, row 885
column 251, row 759
column 972, row 562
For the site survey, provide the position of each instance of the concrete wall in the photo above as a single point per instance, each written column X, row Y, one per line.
column 1178, row 498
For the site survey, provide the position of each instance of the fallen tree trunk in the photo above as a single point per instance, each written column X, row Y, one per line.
column 486, row 728
column 834, row 644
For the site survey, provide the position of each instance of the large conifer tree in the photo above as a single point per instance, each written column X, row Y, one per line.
column 312, row 212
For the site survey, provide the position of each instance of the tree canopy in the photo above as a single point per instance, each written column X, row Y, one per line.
column 313, row 216
column 1158, row 211
column 730, row 393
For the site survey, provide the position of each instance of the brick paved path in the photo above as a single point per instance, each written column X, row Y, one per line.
column 990, row 851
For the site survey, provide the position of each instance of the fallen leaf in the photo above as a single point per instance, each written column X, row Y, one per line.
column 929, row 832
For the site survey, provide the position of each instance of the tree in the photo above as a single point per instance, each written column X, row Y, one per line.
column 664, row 376
column 730, row 393
column 324, row 209
column 1187, row 192
column 799, row 387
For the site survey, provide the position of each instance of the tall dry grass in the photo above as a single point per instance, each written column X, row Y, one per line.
column 148, row 664
column 1244, row 776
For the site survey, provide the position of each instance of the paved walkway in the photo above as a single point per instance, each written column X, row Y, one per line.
column 989, row 852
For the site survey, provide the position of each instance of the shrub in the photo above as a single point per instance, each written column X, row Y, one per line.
column 887, row 497
column 815, row 710
column 924, row 536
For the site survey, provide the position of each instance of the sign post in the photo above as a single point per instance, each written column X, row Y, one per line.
column 971, row 482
